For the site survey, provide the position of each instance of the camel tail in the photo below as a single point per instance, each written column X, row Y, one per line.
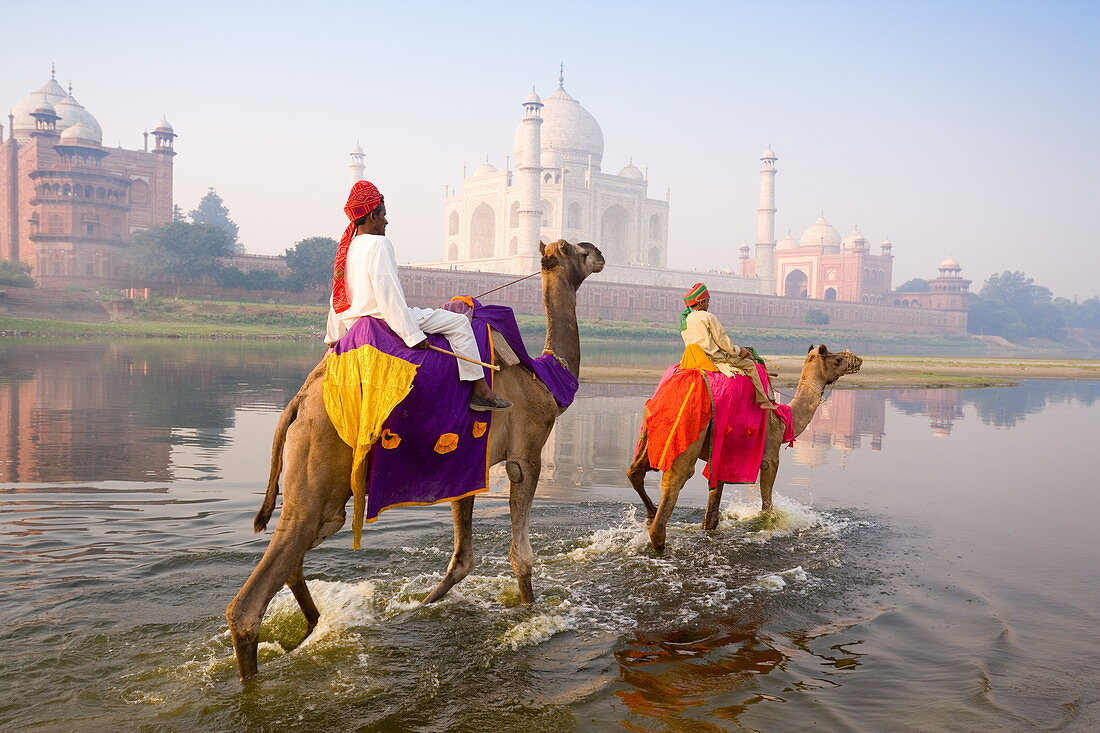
column 290, row 413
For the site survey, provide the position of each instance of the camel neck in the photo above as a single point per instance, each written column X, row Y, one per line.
column 807, row 398
column 562, row 333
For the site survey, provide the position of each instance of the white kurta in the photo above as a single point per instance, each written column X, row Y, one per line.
column 374, row 289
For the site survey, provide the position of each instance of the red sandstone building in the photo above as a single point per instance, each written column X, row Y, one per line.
column 69, row 206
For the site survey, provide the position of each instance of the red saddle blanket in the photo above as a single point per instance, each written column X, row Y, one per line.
column 688, row 401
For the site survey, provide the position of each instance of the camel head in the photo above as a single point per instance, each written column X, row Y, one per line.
column 829, row 367
column 573, row 262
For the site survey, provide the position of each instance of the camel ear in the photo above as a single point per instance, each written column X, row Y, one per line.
column 542, row 249
column 821, row 350
column 810, row 349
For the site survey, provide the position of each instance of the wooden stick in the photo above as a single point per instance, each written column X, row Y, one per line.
column 494, row 367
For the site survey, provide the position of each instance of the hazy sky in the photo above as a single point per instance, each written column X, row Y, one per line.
column 962, row 128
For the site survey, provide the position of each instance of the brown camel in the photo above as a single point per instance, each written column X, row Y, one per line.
column 820, row 369
column 316, row 484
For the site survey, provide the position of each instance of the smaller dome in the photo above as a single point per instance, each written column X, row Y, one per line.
column 551, row 158
column 887, row 243
column 164, row 126
column 80, row 135
column 357, row 150
column 853, row 240
column 485, row 169
column 769, row 154
column 532, row 97
column 45, row 109
column 788, row 242
column 632, row 171
column 950, row 264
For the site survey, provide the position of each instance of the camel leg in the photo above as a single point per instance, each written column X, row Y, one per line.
column 714, row 501
column 297, row 584
column 524, row 476
column 462, row 560
column 768, row 469
column 283, row 556
column 636, row 474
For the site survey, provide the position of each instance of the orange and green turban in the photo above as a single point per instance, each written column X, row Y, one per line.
column 697, row 293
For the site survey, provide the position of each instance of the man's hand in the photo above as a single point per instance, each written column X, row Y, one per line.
column 422, row 345
column 744, row 353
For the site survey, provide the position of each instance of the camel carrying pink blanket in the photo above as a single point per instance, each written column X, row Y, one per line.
column 407, row 418
column 738, row 425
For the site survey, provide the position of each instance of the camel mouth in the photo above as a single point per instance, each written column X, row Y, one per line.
column 854, row 362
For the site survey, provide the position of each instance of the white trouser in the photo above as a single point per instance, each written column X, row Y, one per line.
column 456, row 328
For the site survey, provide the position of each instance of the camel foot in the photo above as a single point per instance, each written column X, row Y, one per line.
column 526, row 591
column 246, row 649
column 439, row 591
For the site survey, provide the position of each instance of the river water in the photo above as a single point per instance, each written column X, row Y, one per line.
column 935, row 565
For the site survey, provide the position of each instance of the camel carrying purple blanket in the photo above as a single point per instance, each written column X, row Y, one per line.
column 407, row 414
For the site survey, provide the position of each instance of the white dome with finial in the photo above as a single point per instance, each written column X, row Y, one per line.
column 49, row 94
column 854, row 240
column 632, row 171
column 950, row 264
column 485, row 169
column 568, row 128
column 73, row 113
column 164, row 126
column 788, row 242
column 769, row 154
column 820, row 233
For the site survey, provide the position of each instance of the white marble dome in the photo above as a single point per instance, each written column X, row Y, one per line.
column 632, row 171
column 788, row 242
column 49, row 93
column 73, row 113
column 568, row 128
column 950, row 264
column 80, row 135
column 165, row 126
column 485, row 169
column 821, row 233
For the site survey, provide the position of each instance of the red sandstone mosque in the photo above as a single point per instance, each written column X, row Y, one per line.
column 68, row 205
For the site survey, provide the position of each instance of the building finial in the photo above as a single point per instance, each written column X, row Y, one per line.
column 561, row 75
column 53, row 71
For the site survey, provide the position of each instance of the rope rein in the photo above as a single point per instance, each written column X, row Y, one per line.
column 505, row 285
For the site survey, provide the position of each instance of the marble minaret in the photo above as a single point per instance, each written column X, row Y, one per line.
column 765, row 221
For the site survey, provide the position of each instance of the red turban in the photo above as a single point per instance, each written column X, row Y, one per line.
column 363, row 199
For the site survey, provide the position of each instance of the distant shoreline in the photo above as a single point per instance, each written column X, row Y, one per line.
column 893, row 372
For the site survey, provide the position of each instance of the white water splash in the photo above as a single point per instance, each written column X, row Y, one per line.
column 788, row 517
column 342, row 606
column 626, row 539
column 534, row 630
column 778, row 581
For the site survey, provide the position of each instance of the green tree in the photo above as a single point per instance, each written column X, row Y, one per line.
column 212, row 212
column 816, row 317
column 180, row 250
column 916, row 285
column 1011, row 305
column 310, row 262
column 16, row 273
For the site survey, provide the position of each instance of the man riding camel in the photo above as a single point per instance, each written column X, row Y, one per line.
column 365, row 283
column 699, row 326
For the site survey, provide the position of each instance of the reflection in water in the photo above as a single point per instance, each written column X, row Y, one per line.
column 91, row 411
column 873, row 598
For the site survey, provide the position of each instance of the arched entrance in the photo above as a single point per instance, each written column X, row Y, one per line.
column 795, row 284
column 613, row 231
column 830, row 293
column 483, row 225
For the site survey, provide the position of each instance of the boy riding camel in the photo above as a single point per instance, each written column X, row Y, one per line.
column 365, row 283
column 699, row 326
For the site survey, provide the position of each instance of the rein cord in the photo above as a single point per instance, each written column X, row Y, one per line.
column 505, row 285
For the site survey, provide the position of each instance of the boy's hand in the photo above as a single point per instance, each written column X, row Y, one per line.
column 422, row 345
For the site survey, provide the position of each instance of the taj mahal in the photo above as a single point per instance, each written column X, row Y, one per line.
column 559, row 190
